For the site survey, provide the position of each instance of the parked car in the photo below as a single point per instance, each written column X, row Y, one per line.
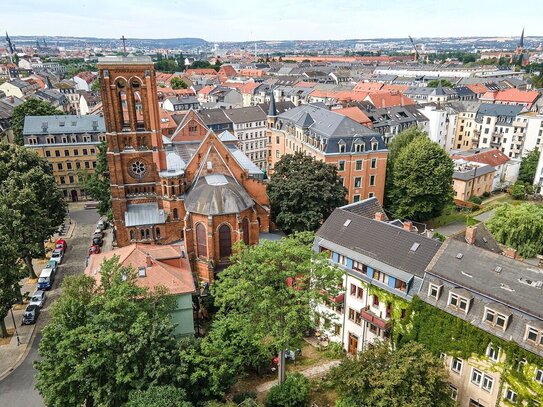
column 51, row 264
column 62, row 243
column 102, row 224
column 31, row 315
column 94, row 249
column 58, row 255
column 38, row 298
column 98, row 232
column 97, row 240
column 47, row 276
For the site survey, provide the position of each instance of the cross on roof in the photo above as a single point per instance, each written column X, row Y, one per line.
column 123, row 39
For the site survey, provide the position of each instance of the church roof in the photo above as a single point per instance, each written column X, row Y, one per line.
column 217, row 194
column 143, row 215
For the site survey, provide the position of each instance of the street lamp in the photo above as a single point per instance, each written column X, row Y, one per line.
column 15, row 326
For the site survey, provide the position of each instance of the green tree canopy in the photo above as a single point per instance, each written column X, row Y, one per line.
column 383, row 377
column 167, row 65
column 268, row 290
column 178, row 83
column 31, row 107
column 396, row 145
column 444, row 82
column 105, row 342
column 31, row 205
column 528, row 167
column 519, row 227
column 10, row 276
column 303, row 192
column 294, row 392
column 421, row 180
column 97, row 183
column 158, row 396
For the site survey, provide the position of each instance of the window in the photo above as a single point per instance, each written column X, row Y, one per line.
column 225, row 241
column 374, row 146
column 371, row 195
column 341, row 166
column 132, row 235
column 456, row 365
column 493, row 353
column 374, row 163
column 357, row 182
column 375, row 301
column 60, row 166
column 47, row 153
column 157, row 233
column 84, row 151
column 476, row 377
column 356, row 198
column 539, row 376
column 453, row 392
column 353, row 290
column 67, row 153
column 456, row 301
column 495, row 319
column 62, row 180
column 511, row 395
column 175, row 213
column 341, row 148
column 245, row 227
column 201, row 240
column 533, row 335
column 372, row 180
column 358, row 165
column 488, row 382
column 434, row 291
column 69, row 165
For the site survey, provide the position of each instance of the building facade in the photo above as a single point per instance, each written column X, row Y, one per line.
column 70, row 145
column 471, row 179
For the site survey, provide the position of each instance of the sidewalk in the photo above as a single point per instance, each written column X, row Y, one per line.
column 12, row 355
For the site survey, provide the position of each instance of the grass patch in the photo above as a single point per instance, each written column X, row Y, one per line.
column 451, row 214
column 7, row 339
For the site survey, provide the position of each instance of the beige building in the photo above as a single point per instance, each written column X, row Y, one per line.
column 471, row 179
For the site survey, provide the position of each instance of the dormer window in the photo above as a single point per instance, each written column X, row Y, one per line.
column 341, row 147
column 374, row 145
column 534, row 335
column 496, row 319
column 459, row 302
column 434, row 290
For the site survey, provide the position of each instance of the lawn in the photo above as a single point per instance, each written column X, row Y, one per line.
column 451, row 214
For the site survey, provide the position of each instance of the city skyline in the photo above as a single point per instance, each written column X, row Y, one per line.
column 240, row 20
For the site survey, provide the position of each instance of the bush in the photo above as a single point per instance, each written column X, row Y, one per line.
column 241, row 397
column 294, row 392
column 476, row 200
column 485, row 194
column 517, row 191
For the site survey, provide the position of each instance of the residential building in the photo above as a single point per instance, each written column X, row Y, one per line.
column 179, row 103
column 534, row 132
column 157, row 266
column 70, row 145
column 471, row 179
column 359, row 153
column 19, row 88
column 466, row 133
column 54, row 98
column 87, row 101
column 191, row 187
column 538, row 179
column 393, row 120
column 84, row 80
column 438, row 123
column 513, row 96
column 7, row 104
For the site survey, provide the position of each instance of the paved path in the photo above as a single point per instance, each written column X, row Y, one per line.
column 314, row 371
column 17, row 389
column 483, row 217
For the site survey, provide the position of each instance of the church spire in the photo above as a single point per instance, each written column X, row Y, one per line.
column 272, row 111
column 521, row 42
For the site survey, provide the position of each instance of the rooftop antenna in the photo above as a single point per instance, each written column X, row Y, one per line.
column 123, row 39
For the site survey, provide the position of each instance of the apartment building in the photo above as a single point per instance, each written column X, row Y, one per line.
column 471, row 179
column 359, row 153
column 534, row 132
column 70, row 145
column 466, row 128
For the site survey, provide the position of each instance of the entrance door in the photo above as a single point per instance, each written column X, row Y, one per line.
column 353, row 344
column 74, row 195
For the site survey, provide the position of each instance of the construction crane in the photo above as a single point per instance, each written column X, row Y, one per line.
column 415, row 48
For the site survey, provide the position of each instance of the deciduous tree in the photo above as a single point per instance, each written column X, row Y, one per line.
column 31, row 205
column 303, row 192
column 178, row 83
column 519, row 227
column 97, row 183
column 31, row 107
column 10, row 275
column 421, row 180
column 383, row 377
column 528, row 167
column 158, row 396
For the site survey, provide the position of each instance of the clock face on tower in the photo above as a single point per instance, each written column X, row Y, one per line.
column 137, row 168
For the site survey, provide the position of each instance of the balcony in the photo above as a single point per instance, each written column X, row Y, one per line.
column 369, row 316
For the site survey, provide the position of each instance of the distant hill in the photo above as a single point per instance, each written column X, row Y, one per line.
column 179, row 43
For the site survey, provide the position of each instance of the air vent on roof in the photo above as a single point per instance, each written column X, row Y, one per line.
column 141, row 271
column 466, row 274
column 498, row 269
column 414, row 247
column 532, row 283
column 506, row 287
column 485, row 240
column 459, row 255
column 347, row 222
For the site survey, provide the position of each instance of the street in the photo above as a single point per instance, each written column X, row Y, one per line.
column 17, row 389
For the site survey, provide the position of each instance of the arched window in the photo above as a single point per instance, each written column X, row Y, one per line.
column 245, row 226
column 225, row 241
column 142, row 233
column 157, row 231
column 147, row 233
column 175, row 213
column 173, row 190
column 201, row 240
column 132, row 235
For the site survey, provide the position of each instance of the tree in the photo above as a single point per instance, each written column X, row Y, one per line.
column 31, row 107
column 528, row 167
column 31, row 205
column 303, row 192
column 95, row 87
column 167, row 65
column 270, row 288
column 178, row 83
column 518, row 190
column 97, row 183
column 519, row 227
column 158, row 396
column 294, row 392
column 422, row 178
column 396, row 145
column 444, row 83
column 105, row 342
column 381, row 376
column 9, row 279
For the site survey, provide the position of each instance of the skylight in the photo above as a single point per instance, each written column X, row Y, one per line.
column 414, row 247
column 347, row 222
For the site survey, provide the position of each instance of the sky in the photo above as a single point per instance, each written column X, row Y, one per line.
column 245, row 20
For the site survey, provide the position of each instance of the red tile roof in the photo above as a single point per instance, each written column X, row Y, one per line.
column 354, row 113
column 367, row 86
column 513, row 95
column 227, row 70
column 389, row 99
column 201, row 71
column 206, row 89
column 492, row 157
column 87, row 76
column 477, row 88
column 248, row 88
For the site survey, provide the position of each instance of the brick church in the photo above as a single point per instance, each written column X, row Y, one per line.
column 194, row 186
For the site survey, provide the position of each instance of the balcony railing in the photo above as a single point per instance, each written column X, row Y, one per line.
column 376, row 320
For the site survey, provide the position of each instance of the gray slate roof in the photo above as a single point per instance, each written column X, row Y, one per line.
column 470, row 174
column 367, row 208
column 68, row 124
column 246, row 114
column 147, row 214
column 491, row 109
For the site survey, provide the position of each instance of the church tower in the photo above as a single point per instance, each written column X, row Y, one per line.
column 135, row 150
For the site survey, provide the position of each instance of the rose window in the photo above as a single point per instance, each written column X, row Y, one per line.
column 137, row 168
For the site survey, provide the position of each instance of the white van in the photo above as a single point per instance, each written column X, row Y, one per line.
column 45, row 282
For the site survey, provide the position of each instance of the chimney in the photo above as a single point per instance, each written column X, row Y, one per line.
column 510, row 252
column 407, row 225
column 148, row 260
column 471, row 234
column 380, row 216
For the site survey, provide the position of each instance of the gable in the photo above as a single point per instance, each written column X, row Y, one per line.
column 191, row 128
